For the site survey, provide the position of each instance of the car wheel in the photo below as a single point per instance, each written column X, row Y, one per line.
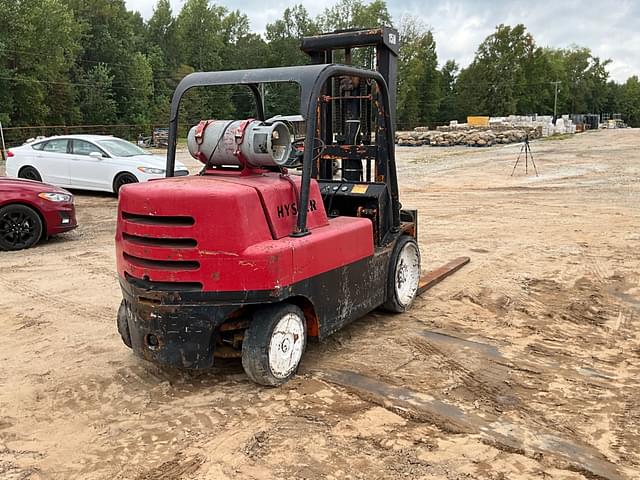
column 20, row 227
column 122, row 180
column 404, row 275
column 274, row 343
column 29, row 173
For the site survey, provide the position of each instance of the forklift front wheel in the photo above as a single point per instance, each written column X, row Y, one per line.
column 274, row 343
column 404, row 275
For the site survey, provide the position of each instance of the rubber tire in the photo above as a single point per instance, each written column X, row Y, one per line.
column 393, row 304
column 33, row 215
column 123, row 324
column 257, row 337
column 30, row 173
column 117, row 182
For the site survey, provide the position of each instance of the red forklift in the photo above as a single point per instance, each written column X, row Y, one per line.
column 249, row 259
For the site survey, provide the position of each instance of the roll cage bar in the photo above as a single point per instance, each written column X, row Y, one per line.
column 311, row 79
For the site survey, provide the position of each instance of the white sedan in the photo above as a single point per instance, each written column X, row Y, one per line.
column 87, row 162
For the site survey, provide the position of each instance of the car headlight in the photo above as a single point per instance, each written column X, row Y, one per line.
column 56, row 197
column 155, row 171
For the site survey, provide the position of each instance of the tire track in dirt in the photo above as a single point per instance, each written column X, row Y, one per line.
column 88, row 261
column 179, row 466
column 69, row 306
column 499, row 433
column 139, row 417
column 591, row 312
column 494, row 381
column 627, row 427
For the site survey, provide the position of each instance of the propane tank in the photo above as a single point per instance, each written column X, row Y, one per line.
column 240, row 142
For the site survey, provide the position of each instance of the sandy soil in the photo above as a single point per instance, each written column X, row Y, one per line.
column 525, row 364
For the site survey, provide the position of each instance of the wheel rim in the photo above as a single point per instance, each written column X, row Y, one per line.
column 286, row 345
column 407, row 273
column 30, row 174
column 125, row 180
column 17, row 228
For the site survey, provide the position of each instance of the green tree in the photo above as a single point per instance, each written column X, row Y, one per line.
column 112, row 36
column 199, row 31
column 97, row 99
column 614, row 97
column 631, row 101
column 164, row 84
column 138, row 96
column 56, row 51
column 161, row 32
column 354, row 14
column 283, row 49
column 36, row 55
column 419, row 82
column 448, row 106
column 284, row 36
column 585, row 79
column 471, row 91
column 347, row 14
column 498, row 73
column 8, row 16
column 162, row 52
column 202, row 35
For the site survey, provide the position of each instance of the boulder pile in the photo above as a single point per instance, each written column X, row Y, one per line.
column 489, row 131
column 471, row 137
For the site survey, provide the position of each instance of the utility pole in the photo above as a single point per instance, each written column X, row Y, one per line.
column 555, row 100
column 262, row 97
column 4, row 148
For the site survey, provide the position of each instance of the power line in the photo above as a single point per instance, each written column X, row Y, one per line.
column 33, row 80
column 555, row 100
column 94, row 62
column 105, row 125
column 218, row 94
column 75, row 58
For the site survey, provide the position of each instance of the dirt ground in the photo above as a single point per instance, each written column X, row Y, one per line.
column 525, row 364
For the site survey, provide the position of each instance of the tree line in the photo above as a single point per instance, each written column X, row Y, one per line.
column 72, row 62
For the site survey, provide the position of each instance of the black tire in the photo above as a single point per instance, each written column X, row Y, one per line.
column 29, row 173
column 401, row 296
column 123, row 324
column 123, row 179
column 259, row 356
column 20, row 227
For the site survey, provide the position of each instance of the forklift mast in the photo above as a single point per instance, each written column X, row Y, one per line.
column 385, row 40
column 348, row 121
column 357, row 139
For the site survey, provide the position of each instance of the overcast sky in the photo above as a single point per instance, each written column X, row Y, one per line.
column 611, row 28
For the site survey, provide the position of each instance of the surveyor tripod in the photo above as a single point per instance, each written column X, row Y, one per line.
column 526, row 148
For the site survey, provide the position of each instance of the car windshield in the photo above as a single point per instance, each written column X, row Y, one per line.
column 121, row 148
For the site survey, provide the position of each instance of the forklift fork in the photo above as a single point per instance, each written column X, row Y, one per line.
column 436, row 276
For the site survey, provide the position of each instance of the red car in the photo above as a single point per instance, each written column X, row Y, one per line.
column 30, row 211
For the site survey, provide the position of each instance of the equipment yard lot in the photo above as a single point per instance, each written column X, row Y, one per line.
column 534, row 347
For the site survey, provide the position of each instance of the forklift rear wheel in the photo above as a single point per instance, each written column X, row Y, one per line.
column 404, row 275
column 123, row 324
column 274, row 343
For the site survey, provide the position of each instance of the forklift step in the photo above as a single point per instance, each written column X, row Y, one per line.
column 436, row 276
